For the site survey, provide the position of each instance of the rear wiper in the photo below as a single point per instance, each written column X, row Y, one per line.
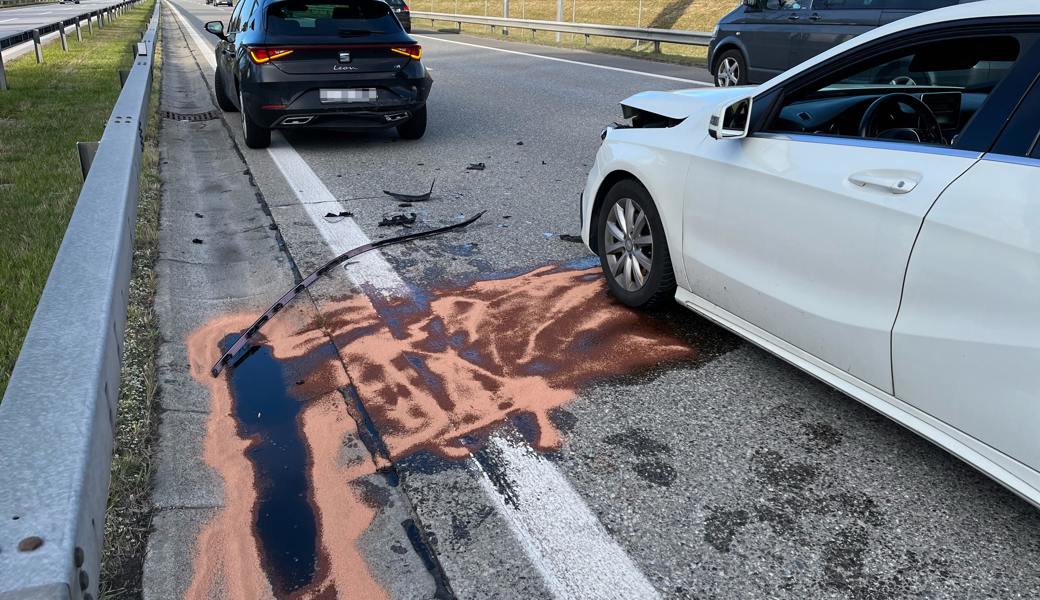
column 354, row 32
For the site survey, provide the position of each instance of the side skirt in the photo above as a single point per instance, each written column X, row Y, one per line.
column 1005, row 470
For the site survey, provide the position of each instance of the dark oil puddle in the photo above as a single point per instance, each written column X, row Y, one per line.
column 284, row 520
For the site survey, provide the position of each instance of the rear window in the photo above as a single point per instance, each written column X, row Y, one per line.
column 343, row 18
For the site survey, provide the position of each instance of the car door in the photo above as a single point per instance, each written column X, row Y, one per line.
column 807, row 235
column 766, row 34
column 966, row 345
column 226, row 51
column 831, row 22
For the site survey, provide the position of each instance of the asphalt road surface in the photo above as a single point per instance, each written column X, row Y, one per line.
column 17, row 20
column 471, row 416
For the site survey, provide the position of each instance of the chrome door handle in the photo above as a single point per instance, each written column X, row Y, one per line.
column 792, row 17
column 893, row 184
column 815, row 17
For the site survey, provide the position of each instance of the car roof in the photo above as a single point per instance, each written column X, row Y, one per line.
column 958, row 12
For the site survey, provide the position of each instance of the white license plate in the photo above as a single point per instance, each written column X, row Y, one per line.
column 355, row 95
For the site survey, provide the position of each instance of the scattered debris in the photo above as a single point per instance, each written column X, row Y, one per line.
column 287, row 297
column 196, row 241
column 476, row 167
column 507, row 216
column 405, row 205
column 273, row 227
column 342, row 213
column 199, row 215
column 544, row 163
column 567, row 237
column 411, row 197
column 399, row 219
column 503, row 225
column 519, row 143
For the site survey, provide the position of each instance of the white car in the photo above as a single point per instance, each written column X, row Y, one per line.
column 871, row 216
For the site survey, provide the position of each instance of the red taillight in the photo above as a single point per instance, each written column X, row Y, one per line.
column 262, row 55
column 404, row 8
column 412, row 52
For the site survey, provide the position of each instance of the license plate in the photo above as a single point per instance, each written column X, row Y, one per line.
column 355, row 95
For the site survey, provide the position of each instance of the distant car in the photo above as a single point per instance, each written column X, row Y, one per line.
column 334, row 64
column 403, row 13
column 884, row 237
column 762, row 38
column 222, row 3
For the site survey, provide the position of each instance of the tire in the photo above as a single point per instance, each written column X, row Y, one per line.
column 415, row 127
column 658, row 283
column 256, row 136
column 730, row 69
column 223, row 101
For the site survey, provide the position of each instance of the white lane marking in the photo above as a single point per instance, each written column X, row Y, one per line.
column 7, row 20
column 560, row 535
column 371, row 269
column 564, row 60
column 567, row 544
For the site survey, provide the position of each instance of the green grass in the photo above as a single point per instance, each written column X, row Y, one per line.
column 47, row 109
column 128, row 516
column 693, row 15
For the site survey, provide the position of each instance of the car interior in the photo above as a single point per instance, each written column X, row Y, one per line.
column 922, row 94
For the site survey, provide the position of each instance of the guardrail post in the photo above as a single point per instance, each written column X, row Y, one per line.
column 3, row 74
column 90, row 24
column 657, row 47
column 37, row 46
column 87, row 151
column 505, row 15
column 559, row 17
column 586, row 40
column 79, row 31
column 64, row 39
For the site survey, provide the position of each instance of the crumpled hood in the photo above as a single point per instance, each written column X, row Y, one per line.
column 680, row 104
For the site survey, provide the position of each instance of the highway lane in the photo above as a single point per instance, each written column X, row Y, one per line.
column 16, row 20
column 726, row 474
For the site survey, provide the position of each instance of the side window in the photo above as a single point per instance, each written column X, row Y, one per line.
column 236, row 17
column 918, row 4
column 921, row 93
column 848, row 4
column 787, row 4
column 248, row 14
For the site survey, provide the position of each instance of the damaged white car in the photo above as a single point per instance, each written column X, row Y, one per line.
column 870, row 216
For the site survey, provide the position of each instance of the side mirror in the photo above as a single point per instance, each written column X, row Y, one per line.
column 754, row 4
column 216, row 28
column 731, row 121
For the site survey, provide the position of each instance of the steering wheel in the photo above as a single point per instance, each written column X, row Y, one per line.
column 903, row 80
column 929, row 130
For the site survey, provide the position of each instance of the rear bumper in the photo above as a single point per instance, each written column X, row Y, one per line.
column 270, row 104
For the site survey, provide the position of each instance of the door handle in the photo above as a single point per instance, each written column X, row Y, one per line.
column 815, row 17
column 893, row 183
column 792, row 17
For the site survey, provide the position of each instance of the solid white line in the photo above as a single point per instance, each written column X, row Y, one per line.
column 370, row 270
column 561, row 537
column 564, row 60
column 564, row 540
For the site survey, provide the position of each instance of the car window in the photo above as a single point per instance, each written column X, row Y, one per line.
column 918, row 4
column 787, row 4
column 247, row 14
column 847, row 4
column 927, row 92
column 344, row 18
column 233, row 24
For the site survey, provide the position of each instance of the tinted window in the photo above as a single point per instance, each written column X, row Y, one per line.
column 848, row 4
column 236, row 15
column 976, row 64
column 918, row 4
column 345, row 18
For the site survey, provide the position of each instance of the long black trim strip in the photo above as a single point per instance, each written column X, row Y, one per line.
column 286, row 298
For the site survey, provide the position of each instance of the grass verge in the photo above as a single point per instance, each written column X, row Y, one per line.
column 47, row 109
column 692, row 15
column 128, row 516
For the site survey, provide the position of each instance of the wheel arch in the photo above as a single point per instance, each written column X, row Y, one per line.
column 730, row 43
column 612, row 179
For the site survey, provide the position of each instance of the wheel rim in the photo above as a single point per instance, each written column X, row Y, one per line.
column 628, row 245
column 728, row 73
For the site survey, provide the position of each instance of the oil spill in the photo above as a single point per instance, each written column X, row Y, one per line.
column 284, row 519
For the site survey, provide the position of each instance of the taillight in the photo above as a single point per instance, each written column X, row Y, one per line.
column 404, row 8
column 262, row 55
column 412, row 52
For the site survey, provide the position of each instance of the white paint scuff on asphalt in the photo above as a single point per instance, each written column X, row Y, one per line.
column 569, row 547
column 565, row 60
column 561, row 536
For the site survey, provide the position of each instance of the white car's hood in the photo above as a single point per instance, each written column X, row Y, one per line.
column 680, row 104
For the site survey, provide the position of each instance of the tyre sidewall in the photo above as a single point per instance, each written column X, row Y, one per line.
column 660, row 264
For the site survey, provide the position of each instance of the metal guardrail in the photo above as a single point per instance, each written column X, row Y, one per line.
column 657, row 36
column 94, row 15
column 58, row 414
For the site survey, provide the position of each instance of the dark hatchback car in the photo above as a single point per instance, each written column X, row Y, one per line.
column 403, row 13
column 335, row 64
column 763, row 38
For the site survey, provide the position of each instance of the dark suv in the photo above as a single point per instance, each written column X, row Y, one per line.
column 338, row 64
column 403, row 13
column 763, row 38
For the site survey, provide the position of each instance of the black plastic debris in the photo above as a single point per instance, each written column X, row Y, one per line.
column 400, row 219
column 340, row 214
column 272, row 227
column 196, row 241
column 570, row 238
column 199, row 215
column 476, row 167
column 544, row 163
column 519, row 143
column 405, row 205
column 243, row 340
column 507, row 216
column 411, row 197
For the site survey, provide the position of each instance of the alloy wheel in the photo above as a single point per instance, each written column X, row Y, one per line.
column 728, row 72
column 628, row 244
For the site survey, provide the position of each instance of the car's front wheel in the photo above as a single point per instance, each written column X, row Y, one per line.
column 632, row 247
column 256, row 136
column 415, row 128
column 730, row 69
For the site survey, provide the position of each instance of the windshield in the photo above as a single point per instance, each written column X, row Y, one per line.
column 344, row 18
